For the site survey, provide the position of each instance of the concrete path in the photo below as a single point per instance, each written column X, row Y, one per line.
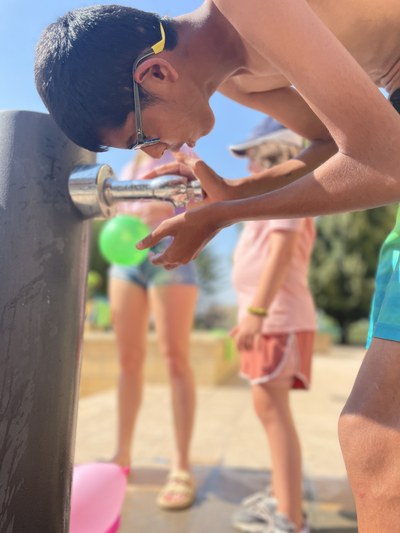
column 229, row 452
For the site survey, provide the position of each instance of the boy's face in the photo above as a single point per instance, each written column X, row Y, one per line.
column 177, row 119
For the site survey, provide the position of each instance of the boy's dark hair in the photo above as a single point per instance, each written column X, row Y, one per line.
column 83, row 67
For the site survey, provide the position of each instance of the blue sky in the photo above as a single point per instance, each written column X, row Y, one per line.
column 22, row 21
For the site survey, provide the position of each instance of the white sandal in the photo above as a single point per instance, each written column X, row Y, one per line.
column 180, row 483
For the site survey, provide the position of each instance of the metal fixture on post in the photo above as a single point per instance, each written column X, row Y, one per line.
column 43, row 276
column 96, row 192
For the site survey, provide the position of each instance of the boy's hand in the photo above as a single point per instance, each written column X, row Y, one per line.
column 190, row 231
column 175, row 168
column 215, row 188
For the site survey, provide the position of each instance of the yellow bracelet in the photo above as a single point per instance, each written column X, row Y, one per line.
column 257, row 311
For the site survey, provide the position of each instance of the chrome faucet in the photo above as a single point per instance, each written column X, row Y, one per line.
column 95, row 191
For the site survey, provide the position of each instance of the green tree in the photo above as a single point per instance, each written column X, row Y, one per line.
column 342, row 274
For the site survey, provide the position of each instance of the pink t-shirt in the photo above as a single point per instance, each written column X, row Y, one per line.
column 152, row 212
column 292, row 308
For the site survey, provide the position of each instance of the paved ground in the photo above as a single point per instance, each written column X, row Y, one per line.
column 229, row 452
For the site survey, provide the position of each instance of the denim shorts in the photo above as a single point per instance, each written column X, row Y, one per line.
column 148, row 275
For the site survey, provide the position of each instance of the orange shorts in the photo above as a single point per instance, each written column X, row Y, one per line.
column 282, row 360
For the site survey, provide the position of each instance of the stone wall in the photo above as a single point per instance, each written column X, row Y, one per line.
column 213, row 356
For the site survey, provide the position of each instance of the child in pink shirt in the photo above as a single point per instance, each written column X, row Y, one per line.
column 280, row 249
column 275, row 335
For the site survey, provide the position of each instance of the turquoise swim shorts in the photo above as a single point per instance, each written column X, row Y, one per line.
column 384, row 320
column 385, row 310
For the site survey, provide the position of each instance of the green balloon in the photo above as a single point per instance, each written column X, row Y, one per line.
column 118, row 238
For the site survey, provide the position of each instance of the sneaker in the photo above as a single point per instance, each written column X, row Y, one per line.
column 266, row 494
column 281, row 524
column 256, row 516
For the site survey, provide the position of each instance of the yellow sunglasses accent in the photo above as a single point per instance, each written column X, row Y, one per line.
column 141, row 140
column 159, row 47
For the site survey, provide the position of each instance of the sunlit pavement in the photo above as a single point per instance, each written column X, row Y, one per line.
column 229, row 452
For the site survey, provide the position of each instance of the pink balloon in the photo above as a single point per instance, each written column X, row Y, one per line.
column 115, row 527
column 98, row 491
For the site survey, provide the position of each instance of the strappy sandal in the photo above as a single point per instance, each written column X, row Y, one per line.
column 178, row 493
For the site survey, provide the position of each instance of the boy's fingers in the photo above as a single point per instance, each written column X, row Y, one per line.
column 186, row 159
column 208, row 178
column 201, row 169
column 159, row 260
column 175, row 168
column 198, row 166
column 151, row 239
column 162, row 170
column 205, row 174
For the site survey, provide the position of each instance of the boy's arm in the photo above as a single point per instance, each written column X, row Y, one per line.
column 364, row 173
column 220, row 189
column 290, row 35
column 290, row 109
column 280, row 175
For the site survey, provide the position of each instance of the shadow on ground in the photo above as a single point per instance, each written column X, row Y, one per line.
column 220, row 490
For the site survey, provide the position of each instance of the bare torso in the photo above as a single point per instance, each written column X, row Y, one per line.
column 277, row 56
column 368, row 29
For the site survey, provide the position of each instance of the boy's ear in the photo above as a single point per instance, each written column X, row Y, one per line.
column 155, row 71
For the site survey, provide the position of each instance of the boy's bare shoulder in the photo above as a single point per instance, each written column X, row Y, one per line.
column 230, row 9
column 369, row 31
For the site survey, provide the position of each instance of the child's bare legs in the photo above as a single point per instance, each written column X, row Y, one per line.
column 271, row 404
column 129, row 306
column 173, row 307
column 369, row 431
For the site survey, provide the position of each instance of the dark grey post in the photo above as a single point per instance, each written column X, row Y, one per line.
column 43, row 267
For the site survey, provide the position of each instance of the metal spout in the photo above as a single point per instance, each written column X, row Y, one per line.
column 95, row 191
